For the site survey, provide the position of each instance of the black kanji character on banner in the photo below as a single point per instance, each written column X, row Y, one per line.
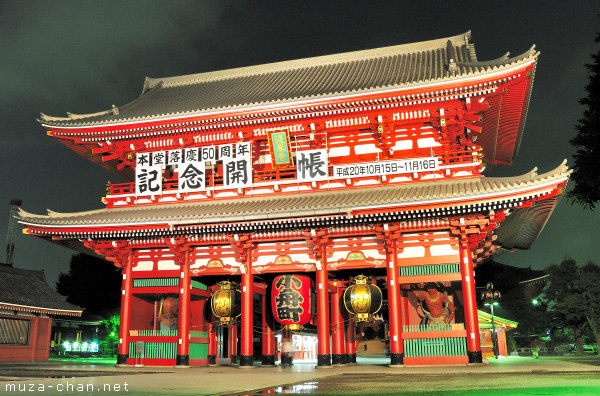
column 242, row 150
column 311, row 165
column 191, row 155
column 143, row 159
column 225, row 152
column 175, row 157
column 149, row 180
column 192, row 178
column 159, row 158
column 236, row 172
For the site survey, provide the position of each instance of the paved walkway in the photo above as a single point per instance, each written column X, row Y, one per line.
column 84, row 378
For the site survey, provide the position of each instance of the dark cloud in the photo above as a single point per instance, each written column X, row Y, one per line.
column 84, row 56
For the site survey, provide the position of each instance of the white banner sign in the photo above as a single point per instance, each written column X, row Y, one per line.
column 385, row 168
column 191, row 167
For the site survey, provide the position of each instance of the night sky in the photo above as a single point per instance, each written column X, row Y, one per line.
column 84, row 56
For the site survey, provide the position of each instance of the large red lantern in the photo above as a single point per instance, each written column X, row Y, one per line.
column 291, row 300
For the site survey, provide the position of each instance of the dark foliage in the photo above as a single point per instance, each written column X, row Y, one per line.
column 92, row 283
column 573, row 295
column 516, row 302
column 586, row 174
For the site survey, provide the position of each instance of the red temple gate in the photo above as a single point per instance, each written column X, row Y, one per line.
column 362, row 163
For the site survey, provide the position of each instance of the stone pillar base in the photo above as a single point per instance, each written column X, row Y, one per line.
column 338, row 359
column 397, row 359
column 350, row 358
column 182, row 360
column 268, row 360
column 287, row 359
column 475, row 356
column 246, row 360
column 122, row 359
column 323, row 360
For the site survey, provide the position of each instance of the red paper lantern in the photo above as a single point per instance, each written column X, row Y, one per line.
column 291, row 300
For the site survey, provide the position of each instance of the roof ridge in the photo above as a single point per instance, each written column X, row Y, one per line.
column 504, row 59
column 323, row 60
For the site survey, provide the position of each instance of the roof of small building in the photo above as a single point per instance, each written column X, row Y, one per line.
column 520, row 232
column 27, row 291
column 297, row 80
column 485, row 321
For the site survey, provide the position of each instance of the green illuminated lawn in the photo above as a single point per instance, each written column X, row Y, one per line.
column 86, row 360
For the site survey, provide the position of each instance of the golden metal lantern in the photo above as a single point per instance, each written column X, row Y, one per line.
column 363, row 299
column 225, row 302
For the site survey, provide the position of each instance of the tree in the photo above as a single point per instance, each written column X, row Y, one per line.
column 91, row 283
column 573, row 295
column 586, row 170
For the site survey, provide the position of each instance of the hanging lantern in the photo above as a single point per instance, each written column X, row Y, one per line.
column 363, row 299
column 225, row 302
column 291, row 300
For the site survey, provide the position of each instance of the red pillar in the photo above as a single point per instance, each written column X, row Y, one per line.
column 337, row 329
column 212, row 342
column 323, row 350
column 183, row 346
column 287, row 348
column 33, row 338
column 233, row 344
column 394, row 304
column 125, row 311
column 268, row 336
column 247, row 355
column 350, row 339
column 469, row 302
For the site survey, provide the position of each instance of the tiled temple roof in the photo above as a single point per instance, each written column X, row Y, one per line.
column 304, row 79
column 27, row 290
column 453, row 192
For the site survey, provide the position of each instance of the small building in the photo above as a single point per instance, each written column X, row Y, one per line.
column 501, row 327
column 76, row 336
column 27, row 305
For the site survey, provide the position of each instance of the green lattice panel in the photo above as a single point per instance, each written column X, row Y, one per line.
column 434, row 269
column 199, row 285
column 427, row 327
column 198, row 351
column 155, row 350
column 153, row 282
column 154, row 333
column 435, row 347
column 201, row 334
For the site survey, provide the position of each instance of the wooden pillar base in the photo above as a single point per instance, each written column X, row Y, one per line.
column 475, row 356
column 268, row 360
column 323, row 360
column 212, row 360
column 397, row 359
column 350, row 358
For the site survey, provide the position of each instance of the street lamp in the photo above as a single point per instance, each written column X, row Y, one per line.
column 490, row 298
